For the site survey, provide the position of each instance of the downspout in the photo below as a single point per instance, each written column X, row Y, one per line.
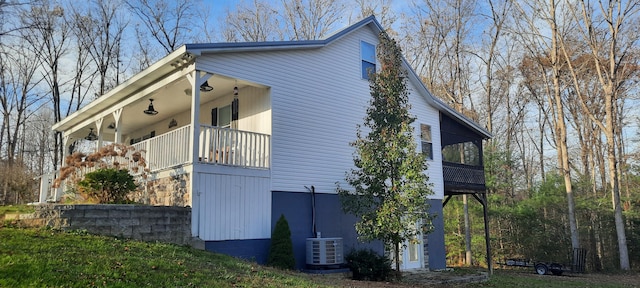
column 313, row 211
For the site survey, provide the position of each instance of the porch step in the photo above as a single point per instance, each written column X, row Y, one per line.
column 197, row 243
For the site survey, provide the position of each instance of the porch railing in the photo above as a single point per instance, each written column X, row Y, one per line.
column 218, row 146
column 232, row 147
column 166, row 150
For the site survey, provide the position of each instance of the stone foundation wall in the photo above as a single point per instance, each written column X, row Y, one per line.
column 167, row 191
column 146, row 223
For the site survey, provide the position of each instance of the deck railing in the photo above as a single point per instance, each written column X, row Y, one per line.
column 225, row 146
column 463, row 177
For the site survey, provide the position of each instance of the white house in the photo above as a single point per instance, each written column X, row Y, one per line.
column 242, row 132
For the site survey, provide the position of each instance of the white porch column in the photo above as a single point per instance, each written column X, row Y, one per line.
column 196, row 78
column 99, row 131
column 57, row 194
column 116, row 115
column 65, row 144
column 45, row 187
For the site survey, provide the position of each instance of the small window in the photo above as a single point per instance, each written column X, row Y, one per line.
column 368, row 54
column 224, row 116
column 427, row 144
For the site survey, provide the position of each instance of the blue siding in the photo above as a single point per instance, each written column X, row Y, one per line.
column 253, row 250
column 435, row 240
column 330, row 221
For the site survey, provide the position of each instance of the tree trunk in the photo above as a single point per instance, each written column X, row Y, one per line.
column 615, row 194
column 467, row 231
column 397, row 255
column 563, row 154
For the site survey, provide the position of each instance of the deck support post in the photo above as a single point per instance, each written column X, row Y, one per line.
column 483, row 201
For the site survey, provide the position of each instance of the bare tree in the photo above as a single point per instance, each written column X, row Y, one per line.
column 168, row 22
column 37, row 141
column 531, row 14
column 310, row 19
column 9, row 8
column 101, row 28
column 49, row 34
column 499, row 12
column 20, row 97
column 610, row 31
column 252, row 23
column 436, row 46
column 83, row 74
column 17, row 86
column 382, row 9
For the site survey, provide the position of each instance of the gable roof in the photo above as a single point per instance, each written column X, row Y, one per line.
column 198, row 49
column 187, row 53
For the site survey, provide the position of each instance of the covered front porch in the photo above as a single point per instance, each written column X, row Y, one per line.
column 232, row 126
column 179, row 118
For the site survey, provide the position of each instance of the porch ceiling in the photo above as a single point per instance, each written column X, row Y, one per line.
column 169, row 100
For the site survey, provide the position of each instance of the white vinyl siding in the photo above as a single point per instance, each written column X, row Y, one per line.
column 234, row 207
column 315, row 107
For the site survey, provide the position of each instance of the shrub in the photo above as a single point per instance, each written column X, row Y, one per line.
column 365, row 264
column 108, row 185
column 281, row 250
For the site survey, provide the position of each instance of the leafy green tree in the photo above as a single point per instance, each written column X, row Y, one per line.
column 390, row 183
column 281, row 250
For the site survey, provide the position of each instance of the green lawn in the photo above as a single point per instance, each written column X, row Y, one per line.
column 46, row 258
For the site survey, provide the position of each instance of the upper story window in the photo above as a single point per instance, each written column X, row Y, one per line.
column 368, row 55
column 425, row 139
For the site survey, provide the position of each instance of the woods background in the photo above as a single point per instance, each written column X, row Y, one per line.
column 555, row 82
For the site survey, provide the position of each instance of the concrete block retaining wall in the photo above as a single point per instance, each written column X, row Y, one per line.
column 146, row 223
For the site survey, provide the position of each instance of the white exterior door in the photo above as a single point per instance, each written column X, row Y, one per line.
column 412, row 254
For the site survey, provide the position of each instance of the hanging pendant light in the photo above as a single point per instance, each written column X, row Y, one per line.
column 173, row 123
column 205, row 87
column 150, row 111
column 92, row 136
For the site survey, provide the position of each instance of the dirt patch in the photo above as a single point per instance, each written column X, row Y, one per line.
column 416, row 278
